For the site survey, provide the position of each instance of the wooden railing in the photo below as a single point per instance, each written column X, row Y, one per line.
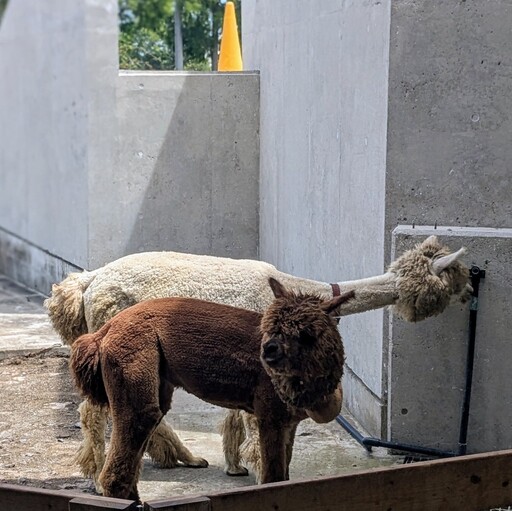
column 468, row 483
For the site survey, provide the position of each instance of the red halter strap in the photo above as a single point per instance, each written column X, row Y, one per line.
column 335, row 290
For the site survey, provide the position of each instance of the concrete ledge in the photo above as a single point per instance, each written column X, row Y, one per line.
column 362, row 403
column 427, row 360
column 420, row 231
column 25, row 329
column 31, row 265
column 28, row 334
column 54, row 350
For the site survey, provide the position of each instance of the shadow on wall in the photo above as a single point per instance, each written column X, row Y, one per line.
column 202, row 187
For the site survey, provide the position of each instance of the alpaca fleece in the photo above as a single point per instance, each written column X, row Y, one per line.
column 421, row 293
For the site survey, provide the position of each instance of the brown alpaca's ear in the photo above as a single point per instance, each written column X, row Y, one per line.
column 277, row 288
column 331, row 305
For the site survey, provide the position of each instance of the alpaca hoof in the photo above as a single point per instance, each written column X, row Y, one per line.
column 196, row 463
column 237, row 471
column 98, row 487
column 165, row 463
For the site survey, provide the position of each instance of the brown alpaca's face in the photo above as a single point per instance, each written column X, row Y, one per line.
column 288, row 352
column 300, row 340
column 301, row 348
column 303, row 356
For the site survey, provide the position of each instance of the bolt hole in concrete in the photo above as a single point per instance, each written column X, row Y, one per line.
column 404, row 411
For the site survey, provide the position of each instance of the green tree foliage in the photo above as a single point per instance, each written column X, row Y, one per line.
column 3, row 5
column 146, row 38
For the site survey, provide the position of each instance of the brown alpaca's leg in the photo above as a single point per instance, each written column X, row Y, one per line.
column 166, row 449
column 91, row 453
column 130, row 433
column 273, row 450
column 233, row 434
column 289, row 440
column 133, row 388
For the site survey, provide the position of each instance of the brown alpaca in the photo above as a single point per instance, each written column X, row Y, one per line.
column 282, row 366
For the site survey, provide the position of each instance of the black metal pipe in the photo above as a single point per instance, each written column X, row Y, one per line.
column 369, row 442
column 353, row 432
column 476, row 275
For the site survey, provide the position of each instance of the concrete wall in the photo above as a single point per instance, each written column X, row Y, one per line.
column 450, row 104
column 186, row 175
column 43, row 125
column 448, row 162
column 96, row 164
column 323, row 150
column 375, row 114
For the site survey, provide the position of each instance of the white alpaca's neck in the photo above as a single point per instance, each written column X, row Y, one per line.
column 370, row 293
column 299, row 284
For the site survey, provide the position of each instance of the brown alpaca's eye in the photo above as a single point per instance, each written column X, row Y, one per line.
column 306, row 339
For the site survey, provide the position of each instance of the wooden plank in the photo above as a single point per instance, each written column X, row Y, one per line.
column 24, row 498
column 468, row 483
column 178, row 504
column 92, row 503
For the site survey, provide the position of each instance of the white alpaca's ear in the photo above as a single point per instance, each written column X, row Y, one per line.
column 277, row 288
column 443, row 262
column 430, row 239
column 331, row 305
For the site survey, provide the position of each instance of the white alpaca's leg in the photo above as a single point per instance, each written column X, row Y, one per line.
column 91, row 453
column 166, row 449
column 250, row 449
column 233, row 434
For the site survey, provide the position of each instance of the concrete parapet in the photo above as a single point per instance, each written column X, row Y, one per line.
column 187, row 170
column 427, row 360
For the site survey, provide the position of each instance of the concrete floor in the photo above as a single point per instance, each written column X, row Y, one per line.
column 320, row 450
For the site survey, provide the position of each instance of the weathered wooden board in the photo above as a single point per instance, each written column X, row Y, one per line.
column 22, row 498
column 469, row 483
column 179, row 504
column 92, row 503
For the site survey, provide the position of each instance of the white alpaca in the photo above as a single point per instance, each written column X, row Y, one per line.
column 418, row 285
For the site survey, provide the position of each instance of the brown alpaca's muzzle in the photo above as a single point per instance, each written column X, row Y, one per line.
column 327, row 409
column 272, row 352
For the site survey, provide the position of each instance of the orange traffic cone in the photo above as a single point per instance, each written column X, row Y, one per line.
column 230, row 57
